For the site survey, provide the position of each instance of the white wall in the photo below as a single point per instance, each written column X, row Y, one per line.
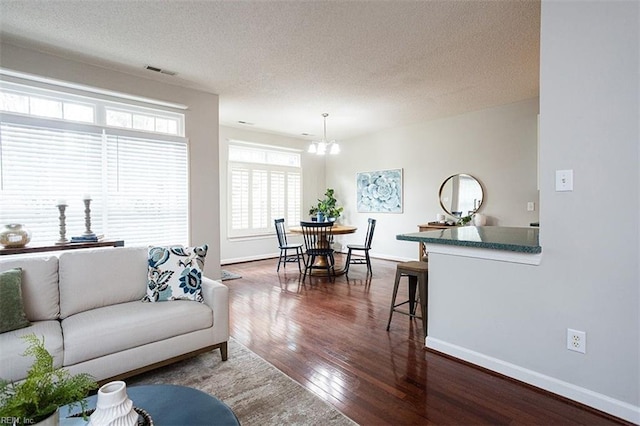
column 201, row 124
column 589, row 123
column 498, row 146
column 514, row 318
column 313, row 186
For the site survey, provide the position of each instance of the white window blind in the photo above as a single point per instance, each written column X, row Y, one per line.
column 138, row 181
column 147, row 190
column 40, row 166
column 264, row 184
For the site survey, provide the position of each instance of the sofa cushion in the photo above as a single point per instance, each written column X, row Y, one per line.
column 39, row 285
column 13, row 365
column 99, row 277
column 175, row 273
column 116, row 328
column 12, row 316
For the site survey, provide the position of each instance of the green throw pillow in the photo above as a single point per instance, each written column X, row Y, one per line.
column 12, row 316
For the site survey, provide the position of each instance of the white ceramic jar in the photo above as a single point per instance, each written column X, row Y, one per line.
column 479, row 219
column 113, row 407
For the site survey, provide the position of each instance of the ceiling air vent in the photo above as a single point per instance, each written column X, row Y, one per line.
column 160, row 70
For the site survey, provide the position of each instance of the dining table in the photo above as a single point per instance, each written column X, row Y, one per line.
column 321, row 261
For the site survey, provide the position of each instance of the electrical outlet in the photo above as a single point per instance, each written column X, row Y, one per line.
column 576, row 340
column 531, row 206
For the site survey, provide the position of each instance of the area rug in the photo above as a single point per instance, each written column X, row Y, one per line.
column 226, row 275
column 257, row 392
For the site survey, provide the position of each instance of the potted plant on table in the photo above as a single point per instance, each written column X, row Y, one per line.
column 38, row 397
column 327, row 208
column 464, row 221
column 313, row 212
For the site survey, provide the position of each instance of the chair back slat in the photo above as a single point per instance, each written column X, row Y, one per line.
column 370, row 228
column 282, row 235
column 317, row 236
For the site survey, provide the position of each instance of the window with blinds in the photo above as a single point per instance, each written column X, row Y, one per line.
column 265, row 183
column 56, row 147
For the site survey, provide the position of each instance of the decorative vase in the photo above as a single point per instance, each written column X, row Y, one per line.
column 52, row 420
column 113, row 407
column 479, row 220
column 14, row 235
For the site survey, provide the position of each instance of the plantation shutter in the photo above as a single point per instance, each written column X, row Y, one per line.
column 239, row 184
column 264, row 185
column 259, row 199
column 278, row 200
column 294, row 197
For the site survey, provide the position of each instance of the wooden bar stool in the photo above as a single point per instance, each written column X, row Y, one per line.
column 418, row 274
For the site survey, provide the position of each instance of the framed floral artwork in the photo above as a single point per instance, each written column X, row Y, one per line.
column 379, row 191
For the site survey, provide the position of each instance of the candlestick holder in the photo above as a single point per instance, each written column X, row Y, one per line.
column 63, row 226
column 87, row 219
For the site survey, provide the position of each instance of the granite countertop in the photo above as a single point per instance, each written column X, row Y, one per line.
column 522, row 240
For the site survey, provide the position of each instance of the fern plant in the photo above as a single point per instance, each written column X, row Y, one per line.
column 45, row 389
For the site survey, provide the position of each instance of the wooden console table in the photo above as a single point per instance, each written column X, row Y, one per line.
column 431, row 226
column 56, row 247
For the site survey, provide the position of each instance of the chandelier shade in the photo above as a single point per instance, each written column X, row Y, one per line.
column 320, row 147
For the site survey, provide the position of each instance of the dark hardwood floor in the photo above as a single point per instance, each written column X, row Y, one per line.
column 332, row 338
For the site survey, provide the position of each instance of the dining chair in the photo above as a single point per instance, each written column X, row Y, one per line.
column 317, row 241
column 285, row 257
column 359, row 260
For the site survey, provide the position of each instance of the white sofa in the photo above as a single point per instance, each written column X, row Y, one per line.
column 87, row 305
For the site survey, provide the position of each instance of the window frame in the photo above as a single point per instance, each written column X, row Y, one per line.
column 97, row 128
column 290, row 172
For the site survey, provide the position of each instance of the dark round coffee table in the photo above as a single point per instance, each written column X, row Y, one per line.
column 173, row 405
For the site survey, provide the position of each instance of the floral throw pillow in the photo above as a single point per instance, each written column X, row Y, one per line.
column 175, row 273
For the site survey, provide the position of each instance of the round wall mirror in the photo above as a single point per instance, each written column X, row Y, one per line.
column 461, row 195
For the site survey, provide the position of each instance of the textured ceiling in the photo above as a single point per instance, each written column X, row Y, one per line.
column 280, row 64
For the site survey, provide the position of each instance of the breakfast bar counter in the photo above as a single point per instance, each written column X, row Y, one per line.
column 509, row 244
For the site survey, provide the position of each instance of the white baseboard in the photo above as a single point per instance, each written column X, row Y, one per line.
column 584, row 396
column 249, row 259
column 392, row 257
column 275, row 255
column 384, row 256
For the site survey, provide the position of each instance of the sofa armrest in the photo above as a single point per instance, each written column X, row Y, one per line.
column 216, row 296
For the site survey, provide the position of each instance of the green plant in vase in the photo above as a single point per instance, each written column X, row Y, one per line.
column 328, row 206
column 45, row 389
column 313, row 211
column 465, row 220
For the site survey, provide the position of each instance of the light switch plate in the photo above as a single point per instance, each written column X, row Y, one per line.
column 564, row 180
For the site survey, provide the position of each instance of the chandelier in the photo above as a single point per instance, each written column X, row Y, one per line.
column 320, row 147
